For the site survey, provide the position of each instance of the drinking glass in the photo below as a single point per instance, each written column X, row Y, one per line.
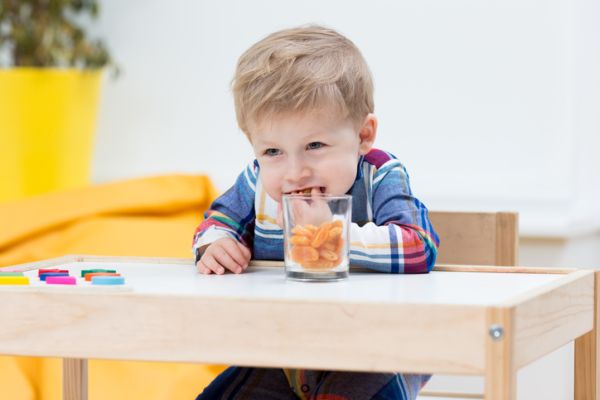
column 316, row 232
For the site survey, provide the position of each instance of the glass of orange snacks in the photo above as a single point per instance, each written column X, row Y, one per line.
column 316, row 232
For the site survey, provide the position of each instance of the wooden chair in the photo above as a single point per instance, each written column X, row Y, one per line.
column 477, row 238
column 474, row 238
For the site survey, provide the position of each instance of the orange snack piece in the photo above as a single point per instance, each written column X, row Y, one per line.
column 329, row 246
column 304, row 253
column 300, row 230
column 328, row 255
column 320, row 237
column 334, row 233
column 300, row 240
column 317, row 247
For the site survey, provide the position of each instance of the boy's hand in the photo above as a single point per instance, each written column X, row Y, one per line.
column 223, row 255
column 314, row 212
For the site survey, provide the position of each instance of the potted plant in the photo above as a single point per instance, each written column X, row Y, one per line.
column 50, row 77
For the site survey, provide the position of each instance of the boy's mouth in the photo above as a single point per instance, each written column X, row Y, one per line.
column 307, row 191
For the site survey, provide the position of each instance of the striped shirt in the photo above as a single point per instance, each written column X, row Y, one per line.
column 390, row 230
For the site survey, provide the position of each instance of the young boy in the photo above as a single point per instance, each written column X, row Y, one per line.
column 304, row 99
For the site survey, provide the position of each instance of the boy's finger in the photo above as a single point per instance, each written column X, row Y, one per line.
column 245, row 251
column 202, row 268
column 247, row 254
column 223, row 257
column 232, row 251
column 316, row 193
column 300, row 211
column 212, row 264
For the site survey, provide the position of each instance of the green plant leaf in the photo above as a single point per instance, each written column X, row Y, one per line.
column 46, row 33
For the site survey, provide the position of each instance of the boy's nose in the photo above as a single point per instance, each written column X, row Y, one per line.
column 297, row 171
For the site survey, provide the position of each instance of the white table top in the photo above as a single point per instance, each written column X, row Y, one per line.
column 464, row 288
column 260, row 318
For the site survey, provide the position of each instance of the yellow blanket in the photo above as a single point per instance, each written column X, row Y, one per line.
column 142, row 217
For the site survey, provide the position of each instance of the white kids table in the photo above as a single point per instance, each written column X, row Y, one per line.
column 486, row 321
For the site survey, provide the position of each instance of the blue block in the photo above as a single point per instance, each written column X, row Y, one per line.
column 43, row 276
column 108, row 280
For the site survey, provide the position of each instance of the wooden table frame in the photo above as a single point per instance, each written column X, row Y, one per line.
column 492, row 341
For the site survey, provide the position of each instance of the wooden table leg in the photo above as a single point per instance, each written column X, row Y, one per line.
column 586, row 357
column 75, row 376
column 500, row 372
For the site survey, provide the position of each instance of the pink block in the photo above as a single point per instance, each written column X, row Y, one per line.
column 61, row 280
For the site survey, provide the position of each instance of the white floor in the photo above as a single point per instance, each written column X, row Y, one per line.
column 550, row 378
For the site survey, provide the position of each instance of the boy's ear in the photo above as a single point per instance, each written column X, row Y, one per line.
column 367, row 134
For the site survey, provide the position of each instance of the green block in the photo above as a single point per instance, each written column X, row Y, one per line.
column 11, row 273
column 92, row 271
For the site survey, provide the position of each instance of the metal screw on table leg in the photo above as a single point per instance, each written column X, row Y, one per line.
column 496, row 332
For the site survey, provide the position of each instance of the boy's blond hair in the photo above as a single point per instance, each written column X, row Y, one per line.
column 302, row 69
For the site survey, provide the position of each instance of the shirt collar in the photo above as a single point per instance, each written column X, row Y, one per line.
column 359, row 170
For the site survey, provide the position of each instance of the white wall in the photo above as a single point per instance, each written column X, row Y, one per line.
column 491, row 105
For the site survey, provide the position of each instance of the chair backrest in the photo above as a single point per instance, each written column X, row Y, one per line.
column 477, row 238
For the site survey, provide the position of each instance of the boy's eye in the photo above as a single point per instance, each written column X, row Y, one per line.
column 314, row 145
column 272, row 152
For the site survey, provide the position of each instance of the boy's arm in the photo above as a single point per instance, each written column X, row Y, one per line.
column 401, row 238
column 231, row 215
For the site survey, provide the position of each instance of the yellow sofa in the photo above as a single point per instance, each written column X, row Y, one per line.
column 153, row 217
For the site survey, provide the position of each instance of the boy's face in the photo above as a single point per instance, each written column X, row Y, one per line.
column 316, row 150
